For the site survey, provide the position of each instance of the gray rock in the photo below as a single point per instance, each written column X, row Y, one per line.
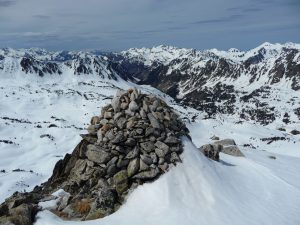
column 124, row 105
column 21, row 215
column 160, row 153
column 111, row 170
column 139, row 131
column 154, row 122
column 225, row 142
column 103, row 204
column 164, row 167
column 119, row 138
column 211, row 151
column 110, row 135
column 108, row 115
column 113, row 161
column 154, row 105
column 145, row 106
column 215, row 138
column 97, row 154
column 149, row 131
column 130, row 142
column 130, row 123
column 134, row 153
column 174, row 158
column 122, row 162
column 118, row 115
column 133, row 106
column 121, row 181
column 116, row 104
column 153, row 157
column 121, row 122
column 120, row 93
column 172, row 140
column 103, row 121
column 82, row 170
column 162, row 146
column 133, row 167
column 232, row 150
column 92, row 129
column 146, row 175
column 95, row 120
column 147, row 146
column 147, row 159
column 161, row 161
column 143, row 113
column 143, row 165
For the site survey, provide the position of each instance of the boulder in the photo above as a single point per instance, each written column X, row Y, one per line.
column 97, row 154
column 225, row 142
column 232, row 150
column 211, row 151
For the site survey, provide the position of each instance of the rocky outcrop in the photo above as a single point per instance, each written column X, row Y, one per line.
column 134, row 140
column 226, row 146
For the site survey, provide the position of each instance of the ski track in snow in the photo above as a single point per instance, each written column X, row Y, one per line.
column 251, row 190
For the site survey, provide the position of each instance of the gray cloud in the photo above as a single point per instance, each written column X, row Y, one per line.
column 7, row 3
column 43, row 17
column 120, row 24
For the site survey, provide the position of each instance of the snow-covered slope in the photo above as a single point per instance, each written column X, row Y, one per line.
column 42, row 115
column 199, row 191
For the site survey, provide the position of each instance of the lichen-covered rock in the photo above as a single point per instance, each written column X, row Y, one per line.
column 121, row 181
column 133, row 167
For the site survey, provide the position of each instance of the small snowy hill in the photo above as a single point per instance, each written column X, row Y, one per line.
column 47, row 100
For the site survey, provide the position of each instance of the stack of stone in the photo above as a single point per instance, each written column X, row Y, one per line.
column 134, row 140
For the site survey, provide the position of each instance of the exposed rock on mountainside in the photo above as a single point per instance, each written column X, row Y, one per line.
column 219, row 82
column 227, row 146
column 231, row 82
column 134, row 140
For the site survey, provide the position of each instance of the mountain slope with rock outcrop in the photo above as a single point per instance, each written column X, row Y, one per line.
column 260, row 85
column 134, row 140
column 233, row 83
column 48, row 99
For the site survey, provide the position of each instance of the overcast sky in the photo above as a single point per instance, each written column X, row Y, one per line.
column 120, row 24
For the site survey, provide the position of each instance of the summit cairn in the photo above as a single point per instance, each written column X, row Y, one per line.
column 134, row 140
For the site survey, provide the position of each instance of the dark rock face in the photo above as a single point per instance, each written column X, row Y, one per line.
column 31, row 65
column 214, row 86
column 210, row 81
column 109, row 162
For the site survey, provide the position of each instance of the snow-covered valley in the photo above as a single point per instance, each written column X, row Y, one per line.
column 41, row 119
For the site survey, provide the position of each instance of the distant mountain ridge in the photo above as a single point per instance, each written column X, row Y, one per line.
column 262, row 84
